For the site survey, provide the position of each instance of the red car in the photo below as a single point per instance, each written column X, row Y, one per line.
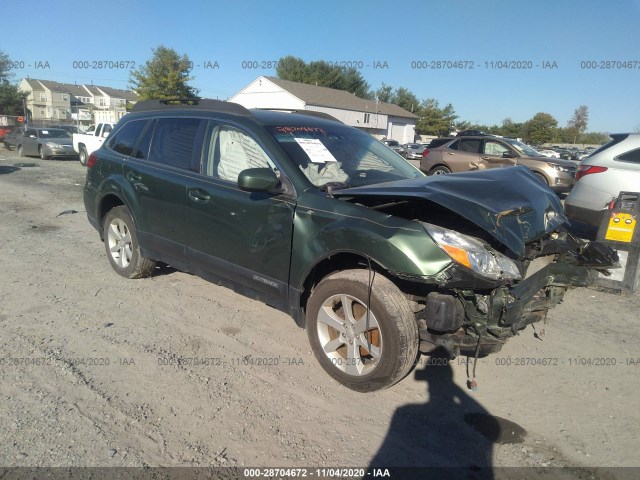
column 4, row 129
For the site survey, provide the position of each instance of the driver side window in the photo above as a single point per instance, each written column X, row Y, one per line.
column 494, row 148
column 232, row 151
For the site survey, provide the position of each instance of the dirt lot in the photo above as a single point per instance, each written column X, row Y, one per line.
column 97, row 370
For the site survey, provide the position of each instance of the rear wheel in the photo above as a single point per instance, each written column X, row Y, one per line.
column 121, row 244
column 83, row 156
column 363, row 349
column 441, row 170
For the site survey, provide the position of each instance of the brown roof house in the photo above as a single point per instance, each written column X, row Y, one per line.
column 382, row 120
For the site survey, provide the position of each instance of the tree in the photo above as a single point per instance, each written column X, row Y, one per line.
column 578, row 123
column 540, row 129
column 435, row 120
column 164, row 76
column 11, row 98
column 323, row 74
column 5, row 67
column 384, row 93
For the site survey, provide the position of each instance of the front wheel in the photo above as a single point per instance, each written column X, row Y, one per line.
column 121, row 244
column 365, row 349
column 42, row 154
column 441, row 170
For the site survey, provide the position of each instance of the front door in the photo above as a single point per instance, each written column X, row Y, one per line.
column 244, row 237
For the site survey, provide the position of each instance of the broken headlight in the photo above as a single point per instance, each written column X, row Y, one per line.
column 471, row 253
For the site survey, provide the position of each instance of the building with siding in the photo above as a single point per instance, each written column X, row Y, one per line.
column 382, row 120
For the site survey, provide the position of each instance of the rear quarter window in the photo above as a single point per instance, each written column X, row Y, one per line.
column 632, row 156
column 125, row 138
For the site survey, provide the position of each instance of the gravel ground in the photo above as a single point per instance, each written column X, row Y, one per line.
column 100, row 371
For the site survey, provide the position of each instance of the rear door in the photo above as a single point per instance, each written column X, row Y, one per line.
column 158, row 171
column 244, row 237
column 463, row 155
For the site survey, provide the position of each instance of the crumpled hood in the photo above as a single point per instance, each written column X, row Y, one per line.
column 509, row 203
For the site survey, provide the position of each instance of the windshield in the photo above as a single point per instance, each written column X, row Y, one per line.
column 341, row 154
column 54, row 133
column 524, row 149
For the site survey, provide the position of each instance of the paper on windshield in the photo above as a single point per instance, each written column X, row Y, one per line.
column 46, row 132
column 315, row 150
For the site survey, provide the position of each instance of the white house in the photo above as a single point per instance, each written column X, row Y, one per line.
column 382, row 120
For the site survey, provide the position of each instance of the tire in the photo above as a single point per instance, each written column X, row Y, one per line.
column 122, row 247
column 41, row 153
column 392, row 330
column 441, row 170
column 83, row 156
column 20, row 151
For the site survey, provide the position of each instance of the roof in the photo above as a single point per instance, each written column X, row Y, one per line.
column 117, row 93
column 81, row 90
column 333, row 98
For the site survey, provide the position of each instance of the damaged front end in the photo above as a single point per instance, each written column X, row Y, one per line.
column 511, row 257
column 477, row 321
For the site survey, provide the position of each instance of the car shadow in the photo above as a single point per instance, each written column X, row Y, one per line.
column 449, row 436
column 5, row 169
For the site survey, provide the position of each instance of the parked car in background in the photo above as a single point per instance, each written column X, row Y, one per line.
column 395, row 146
column 486, row 152
column 46, row 143
column 11, row 139
column 4, row 129
column 69, row 128
column 413, row 151
column 547, row 152
column 323, row 222
column 84, row 144
column 466, row 133
column 609, row 170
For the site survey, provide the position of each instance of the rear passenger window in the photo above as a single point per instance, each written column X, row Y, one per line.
column 470, row 145
column 125, row 139
column 632, row 156
column 178, row 142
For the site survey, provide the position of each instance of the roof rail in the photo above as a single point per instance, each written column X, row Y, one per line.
column 311, row 113
column 190, row 104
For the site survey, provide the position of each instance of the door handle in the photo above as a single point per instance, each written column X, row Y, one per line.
column 199, row 195
column 134, row 177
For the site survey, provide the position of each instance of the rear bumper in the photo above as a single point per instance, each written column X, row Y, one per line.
column 584, row 215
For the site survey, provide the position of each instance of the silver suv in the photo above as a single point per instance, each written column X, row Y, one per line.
column 611, row 169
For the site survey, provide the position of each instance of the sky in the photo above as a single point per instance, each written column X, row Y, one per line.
column 527, row 56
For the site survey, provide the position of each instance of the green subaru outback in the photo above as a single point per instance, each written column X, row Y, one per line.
column 320, row 220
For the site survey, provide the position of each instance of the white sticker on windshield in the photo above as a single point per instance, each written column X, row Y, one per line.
column 316, row 151
column 46, row 132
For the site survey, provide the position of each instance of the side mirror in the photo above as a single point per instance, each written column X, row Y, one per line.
column 105, row 134
column 257, row 180
column 509, row 155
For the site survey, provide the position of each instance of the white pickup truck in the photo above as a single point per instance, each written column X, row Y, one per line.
column 88, row 142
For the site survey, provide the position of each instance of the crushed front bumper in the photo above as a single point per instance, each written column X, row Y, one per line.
column 465, row 320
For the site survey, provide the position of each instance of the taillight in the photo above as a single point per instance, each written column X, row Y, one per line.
column 425, row 153
column 588, row 170
column 92, row 160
